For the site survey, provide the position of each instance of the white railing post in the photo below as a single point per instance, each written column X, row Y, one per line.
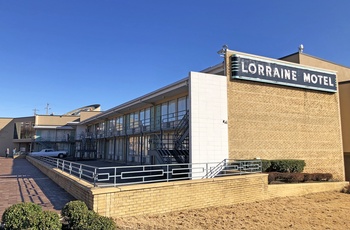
column 115, row 176
column 80, row 170
column 167, row 173
column 206, row 170
column 95, row 177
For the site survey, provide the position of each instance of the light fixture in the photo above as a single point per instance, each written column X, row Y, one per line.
column 301, row 48
column 222, row 52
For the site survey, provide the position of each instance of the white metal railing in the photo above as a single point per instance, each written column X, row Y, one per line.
column 138, row 174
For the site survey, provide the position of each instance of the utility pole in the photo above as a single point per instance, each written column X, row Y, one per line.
column 35, row 110
column 47, row 108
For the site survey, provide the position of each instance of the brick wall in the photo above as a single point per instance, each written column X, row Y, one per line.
column 172, row 196
column 158, row 198
column 166, row 197
column 277, row 122
column 283, row 190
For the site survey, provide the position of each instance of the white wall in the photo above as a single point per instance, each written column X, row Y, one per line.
column 80, row 130
column 208, row 111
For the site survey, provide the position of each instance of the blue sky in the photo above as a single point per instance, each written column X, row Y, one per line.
column 72, row 53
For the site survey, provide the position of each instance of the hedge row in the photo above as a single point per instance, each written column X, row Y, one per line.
column 287, row 165
column 298, row 177
column 75, row 214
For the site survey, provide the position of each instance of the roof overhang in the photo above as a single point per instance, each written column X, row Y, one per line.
column 152, row 98
column 53, row 127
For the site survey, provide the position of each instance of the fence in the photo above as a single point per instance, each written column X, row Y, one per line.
column 124, row 175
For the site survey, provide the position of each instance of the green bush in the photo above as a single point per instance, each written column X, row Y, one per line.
column 76, row 213
column 287, row 165
column 97, row 222
column 80, row 217
column 29, row 216
column 265, row 165
column 49, row 220
column 22, row 216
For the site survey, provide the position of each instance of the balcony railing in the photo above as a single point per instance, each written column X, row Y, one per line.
column 61, row 138
column 165, row 122
column 139, row 174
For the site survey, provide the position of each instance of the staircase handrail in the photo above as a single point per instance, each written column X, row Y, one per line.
column 216, row 170
column 181, row 125
column 181, row 130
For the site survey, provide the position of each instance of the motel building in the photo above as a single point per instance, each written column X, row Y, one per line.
column 248, row 107
column 34, row 133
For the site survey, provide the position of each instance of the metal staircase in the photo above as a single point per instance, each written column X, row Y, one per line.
column 182, row 140
column 182, row 133
column 179, row 151
column 87, row 148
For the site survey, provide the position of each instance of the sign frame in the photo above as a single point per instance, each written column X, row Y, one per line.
column 239, row 70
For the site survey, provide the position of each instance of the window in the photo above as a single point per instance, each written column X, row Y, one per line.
column 164, row 112
column 145, row 119
column 111, row 125
column 181, row 107
column 119, row 124
column 119, row 149
column 172, row 110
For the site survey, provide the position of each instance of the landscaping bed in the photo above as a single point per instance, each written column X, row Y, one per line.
column 326, row 210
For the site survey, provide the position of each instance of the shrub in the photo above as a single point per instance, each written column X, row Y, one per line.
column 287, row 165
column 22, row 216
column 322, row 176
column 49, row 220
column 30, row 216
column 298, row 177
column 265, row 165
column 308, row 177
column 272, row 176
column 101, row 223
column 346, row 189
column 76, row 213
column 80, row 217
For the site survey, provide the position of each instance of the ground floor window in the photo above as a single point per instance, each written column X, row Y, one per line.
column 119, row 149
column 110, row 147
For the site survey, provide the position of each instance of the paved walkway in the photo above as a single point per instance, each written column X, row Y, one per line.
column 20, row 181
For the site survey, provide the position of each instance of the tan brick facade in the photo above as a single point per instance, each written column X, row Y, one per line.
column 185, row 195
column 172, row 196
column 276, row 122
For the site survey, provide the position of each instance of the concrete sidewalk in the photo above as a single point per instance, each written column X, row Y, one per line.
column 20, row 181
